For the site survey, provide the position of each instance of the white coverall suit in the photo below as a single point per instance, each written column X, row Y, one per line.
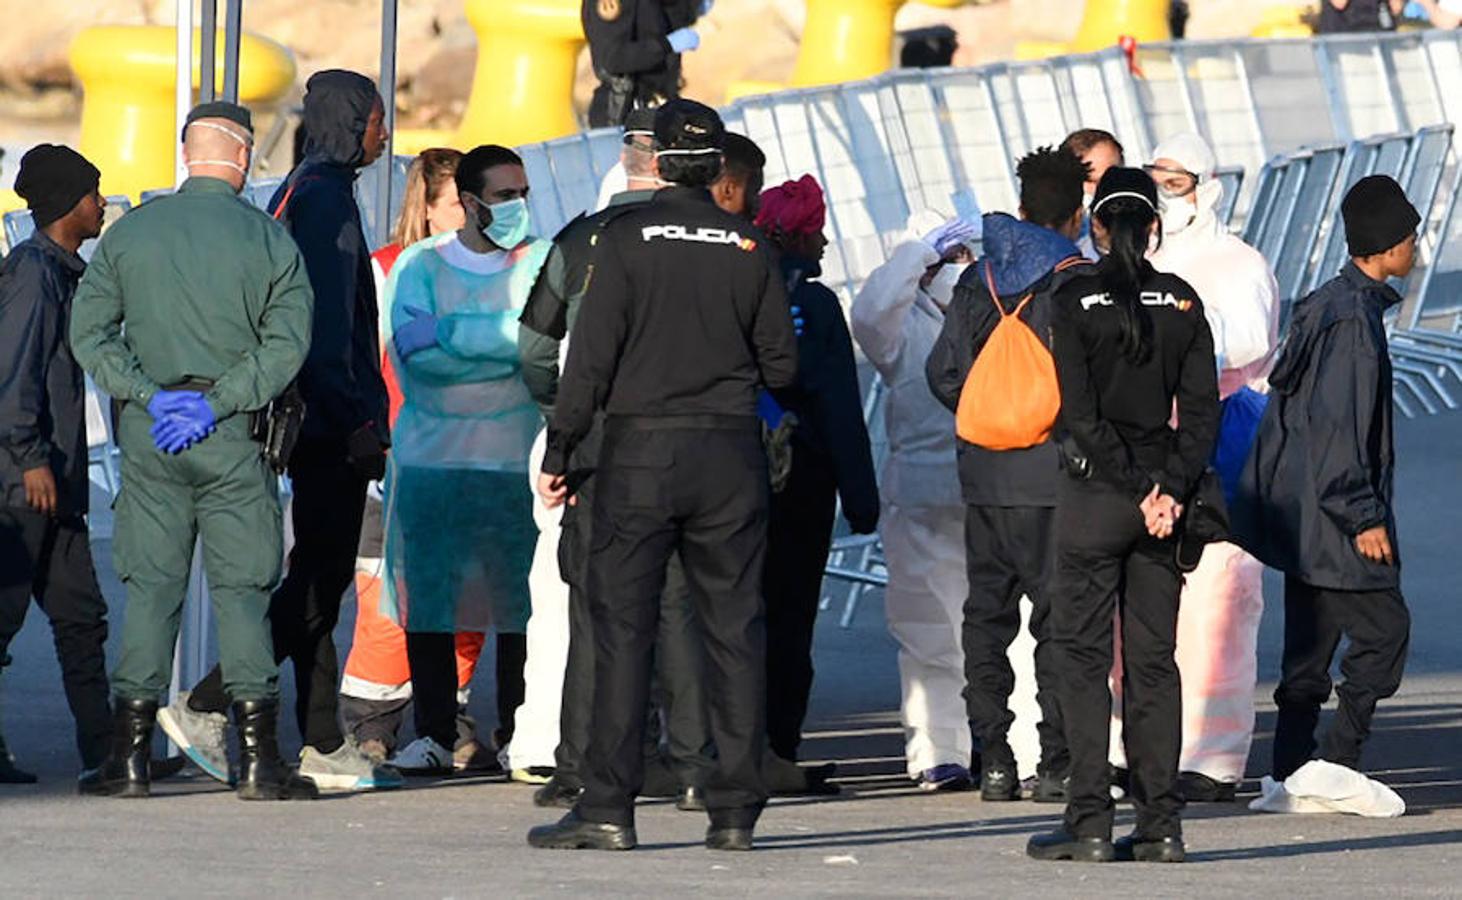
column 896, row 322
column 1223, row 599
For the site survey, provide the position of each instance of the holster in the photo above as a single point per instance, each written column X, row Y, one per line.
column 277, row 427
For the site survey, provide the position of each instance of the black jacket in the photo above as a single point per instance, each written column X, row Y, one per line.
column 1022, row 257
column 42, row 389
column 628, row 38
column 684, row 316
column 1358, row 15
column 829, row 408
column 1322, row 467
column 553, row 305
column 1118, row 411
column 341, row 379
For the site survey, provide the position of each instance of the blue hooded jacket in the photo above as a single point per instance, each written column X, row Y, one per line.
column 1022, row 259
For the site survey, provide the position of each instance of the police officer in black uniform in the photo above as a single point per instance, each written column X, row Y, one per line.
column 684, row 321
column 635, row 46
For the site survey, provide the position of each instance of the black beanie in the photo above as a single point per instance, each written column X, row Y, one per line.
column 1377, row 215
column 53, row 178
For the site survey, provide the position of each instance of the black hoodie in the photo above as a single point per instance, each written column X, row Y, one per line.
column 341, row 379
column 1322, row 467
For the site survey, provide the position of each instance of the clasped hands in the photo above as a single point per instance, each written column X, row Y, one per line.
column 180, row 419
column 1160, row 513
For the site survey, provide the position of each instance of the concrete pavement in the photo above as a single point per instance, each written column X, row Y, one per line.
column 882, row 838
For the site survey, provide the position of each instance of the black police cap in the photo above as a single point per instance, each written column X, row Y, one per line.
column 687, row 125
column 221, row 109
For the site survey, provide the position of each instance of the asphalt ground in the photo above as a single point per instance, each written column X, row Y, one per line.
column 880, row 838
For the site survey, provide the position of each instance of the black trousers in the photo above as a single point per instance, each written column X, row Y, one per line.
column 1009, row 553
column 1105, row 562
column 328, row 508
column 1378, row 626
column 798, row 540
column 433, row 660
column 50, row 560
column 678, row 689
column 701, row 490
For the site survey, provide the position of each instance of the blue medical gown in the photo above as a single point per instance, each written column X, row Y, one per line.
column 459, row 516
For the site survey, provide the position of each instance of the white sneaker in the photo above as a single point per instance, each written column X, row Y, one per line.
column 347, row 769
column 423, row 756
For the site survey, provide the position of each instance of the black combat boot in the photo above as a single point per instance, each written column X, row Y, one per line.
column 262, row 774
column 124, row 773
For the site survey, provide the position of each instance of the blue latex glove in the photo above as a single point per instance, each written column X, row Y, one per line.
column 799, row 324
column 769, row 409
column 1414, row 10
column 417, row 335
column 683, row 40
column 190, row 422
column 951, row 235
column 165, row 402
column 706, row 7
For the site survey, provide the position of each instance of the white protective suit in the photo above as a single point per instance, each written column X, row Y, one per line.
column 1223, row 600
column 896, row 322
column 535, row 734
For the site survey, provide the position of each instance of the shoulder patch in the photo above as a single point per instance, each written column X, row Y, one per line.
column 609, row 10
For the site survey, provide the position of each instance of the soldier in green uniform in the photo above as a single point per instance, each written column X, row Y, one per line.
column 216, row 306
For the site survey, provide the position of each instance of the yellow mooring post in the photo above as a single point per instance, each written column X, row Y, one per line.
column 527, row 56
column 846, row 40
column 1105, row 21
column 128, row 113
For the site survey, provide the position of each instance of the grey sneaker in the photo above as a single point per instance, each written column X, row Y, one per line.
column 347, row 769
column 201, row 736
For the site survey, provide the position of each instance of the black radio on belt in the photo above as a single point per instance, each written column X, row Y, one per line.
column 277, row 427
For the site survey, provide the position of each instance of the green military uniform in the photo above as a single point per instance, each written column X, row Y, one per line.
column 211, row 290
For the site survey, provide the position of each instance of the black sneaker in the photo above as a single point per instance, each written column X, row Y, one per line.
column 1050, row 788
column 999, row 782
column 1195, row 787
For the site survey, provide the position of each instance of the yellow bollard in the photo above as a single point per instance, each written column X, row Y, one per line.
column 128, row 118
column 1107, row 20
column 527, row 55
column 845, row 40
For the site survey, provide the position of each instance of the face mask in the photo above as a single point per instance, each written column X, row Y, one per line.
column 941, row 288
column 1176, row 214
column 509, row 225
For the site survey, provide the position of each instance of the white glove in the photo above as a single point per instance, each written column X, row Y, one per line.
column 706, row 7
column 951, row 234
column 683, row 40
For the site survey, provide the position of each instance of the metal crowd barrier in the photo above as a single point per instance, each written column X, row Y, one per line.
column 1307, row 116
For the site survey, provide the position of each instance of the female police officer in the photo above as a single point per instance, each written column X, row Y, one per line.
column 1128, row 341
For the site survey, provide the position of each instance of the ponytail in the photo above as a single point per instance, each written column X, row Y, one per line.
column 1128, row 221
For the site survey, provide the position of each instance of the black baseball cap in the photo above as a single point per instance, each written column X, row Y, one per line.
column 220, row 109
column 687, row 125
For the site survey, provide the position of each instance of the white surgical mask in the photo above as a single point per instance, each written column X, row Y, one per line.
column 941, row 287
column 1177, row 214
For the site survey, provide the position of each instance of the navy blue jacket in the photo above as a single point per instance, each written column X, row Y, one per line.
column 42, row 389
column 1323, row 465
column 341, row 380
column 825, row 397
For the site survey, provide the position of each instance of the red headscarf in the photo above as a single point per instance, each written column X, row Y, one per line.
column 793, row 208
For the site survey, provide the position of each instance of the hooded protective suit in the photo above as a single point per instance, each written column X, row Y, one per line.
column 896, row 321
column 1223, row 600
column 459, row 520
